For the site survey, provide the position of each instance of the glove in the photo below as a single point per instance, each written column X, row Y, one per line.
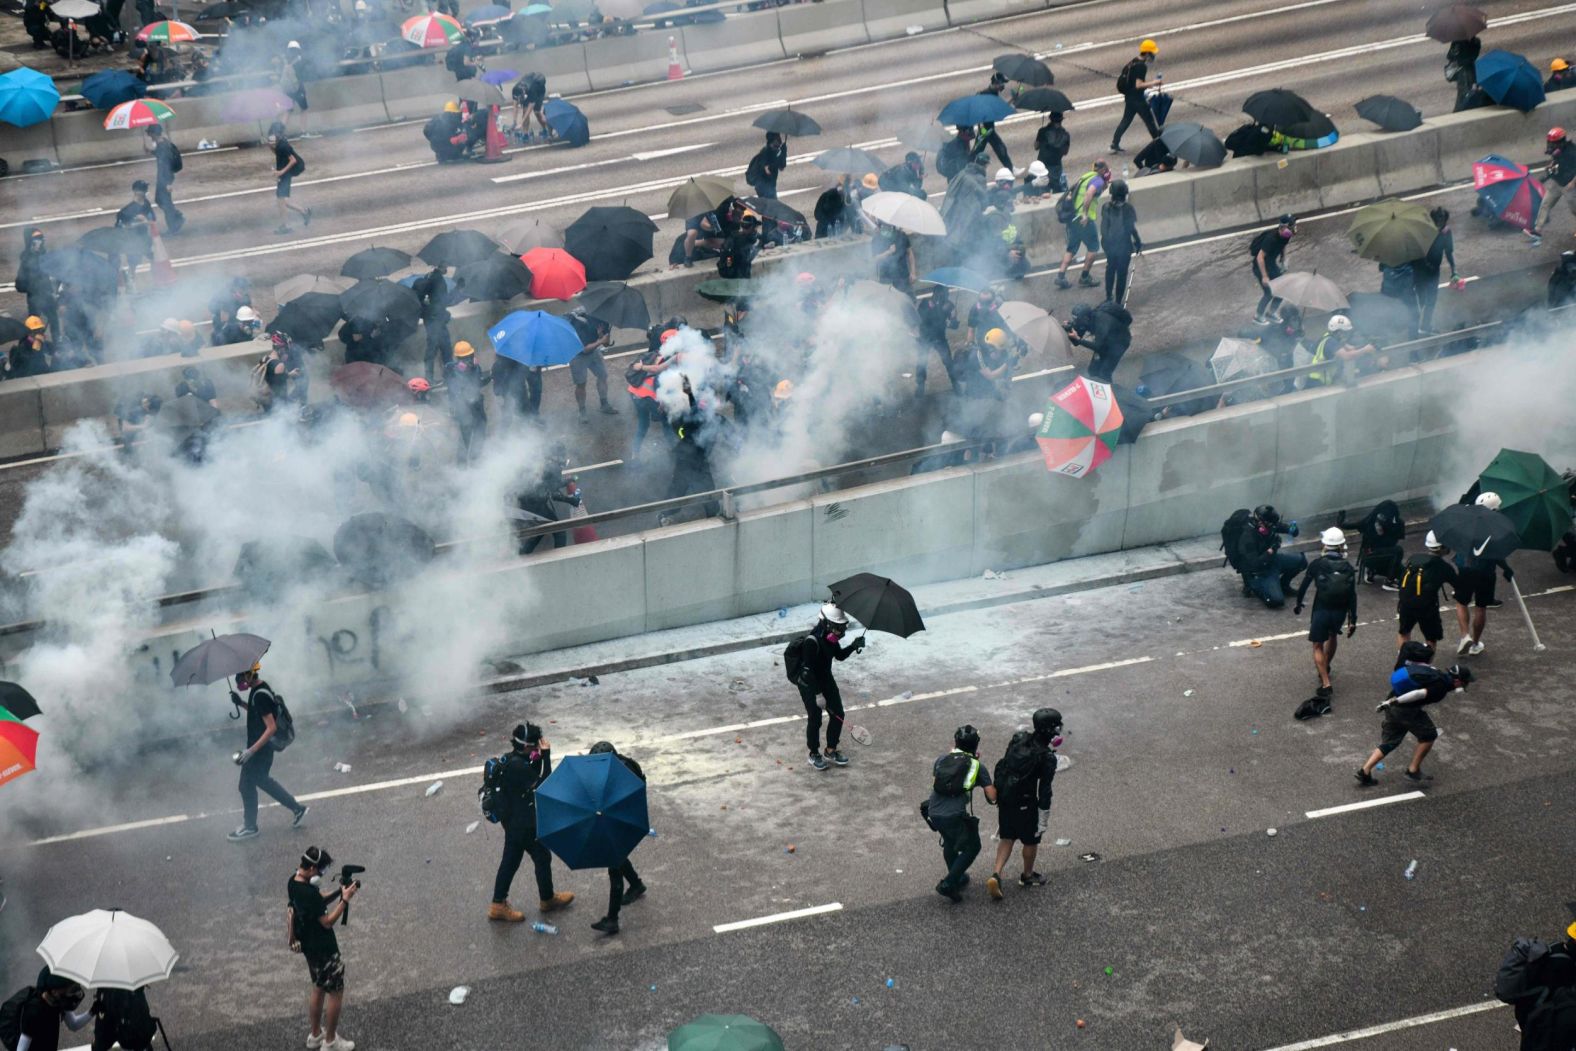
column 1382, row 705
column 859, row 643
column 235, row 698
column 1292, row 528
column 1045, row 821
column 1296, row 609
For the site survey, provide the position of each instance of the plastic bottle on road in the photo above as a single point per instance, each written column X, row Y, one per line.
column 1411, row 870
column 543, row 928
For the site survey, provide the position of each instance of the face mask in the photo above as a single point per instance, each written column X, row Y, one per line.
column 833, row 635
column 1056, row 741
column 1285, row 234
column 1264, row 530
column 315, row 878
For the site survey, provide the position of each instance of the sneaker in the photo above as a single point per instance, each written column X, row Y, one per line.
column 558, row 901
column 1368, row 576
column 1391, row 585
column 314, row 1040
column 1062, row 282
column 837, row 758
column 950, row 893
column 1085, row 281
column 1493, row 603
column 607, row 925
column 818, row 761
column 993, row 887
column 1464, row 645
column 1365, row 779
column 306, row 220
column 339, row 1043
column 608, row 410
column 1116, row 149
column 1324, row 692
column 1031, row 879
column 634, row 893
column 584, row 418
column 242, row 833
column 300, row 816
column 1261, row 320
column 503, row 912
column 1477, row 648
column 1418, row 776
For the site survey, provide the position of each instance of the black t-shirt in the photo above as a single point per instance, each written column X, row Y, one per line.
column 284, row 154
column 41, row 1022
column 1137, row 70
column 133, row 213
column 310, row 907
column 982, row 320
column 260, row 702
column 1272, row 244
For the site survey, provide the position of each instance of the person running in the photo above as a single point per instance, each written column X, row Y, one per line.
column 263, row 713
column 1418, row 604
column 622, row 875
column 1267, row 249
column 167, row 164
column 950, row 809
column 524, row 768
column 1083, row 225
column 820, row 648
column 1023, row 797
column 1475, row 590
column 287, row 165
column 1131, row 85
column 1334, row 600
column 1415, row 685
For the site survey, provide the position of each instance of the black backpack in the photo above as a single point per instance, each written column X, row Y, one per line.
column 952, row 158
column 1412, row 576
column 11, row 1017
column 1231, row 534
column 284, row 722
column 1513, row 983
column 494, row 803
column 1337, row 582
column 1124, row 79
column 176, row 164
column 952, row 774
column 796, row 660
column 1016, row 769
column 756, row 172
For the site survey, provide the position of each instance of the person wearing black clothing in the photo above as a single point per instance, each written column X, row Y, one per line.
column 287, row 165
column 1561, row 76
column 623, row 874
column 1475, row 590
column 54, row 1001
column 1379, row 553
column 136, row 214
column 461, row 59
column 1426, row 270
column 594, row 334
column 1334, row 600
column 1539, row 982
column 908, row 177
column 1266, row 570
column 433, row 288
column 1557, row 177
column 310, row 919
column 530, row 92
column 1106, row 330
column 1562, row 282
column 41, row 290
column 894, row 258
column 1414, row 685
column 937, row 316
column 1266, row 250
column 985, row 136
column 465, row 380
column 257, row 761
column 1154, row 158
column 1023, row 797
column 1051, row 143
column 443, row 134
column 823, row 646
column 767, row 164
column 36, row 16
column 691, row 455
column 1461, row 68
column 1249, row 140
column 949, row 810
column 122, row 1016
column 1418, row 602
column 955, row 154
column 524, row 768
column 167, row 162
column 736, row 259
column 547, row 488
column 1119, row 236
column 1131, row 85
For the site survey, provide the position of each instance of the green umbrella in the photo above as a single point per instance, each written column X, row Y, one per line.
column 726, row 289
column 724, row 1033
column 1532, row 495
column 1392, row 232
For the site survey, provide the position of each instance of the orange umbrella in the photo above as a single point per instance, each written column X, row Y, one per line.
column 18, row 750
column 555, row 274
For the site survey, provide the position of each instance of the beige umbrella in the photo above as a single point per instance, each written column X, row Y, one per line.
column 699, row 195
column 522, row 235
column 906, row 212
column 1309, row 291
column 1037, row 328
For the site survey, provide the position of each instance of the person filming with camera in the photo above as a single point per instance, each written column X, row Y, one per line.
column 312, row 916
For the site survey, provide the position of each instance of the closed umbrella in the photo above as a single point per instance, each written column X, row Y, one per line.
column 374, row 262
column 616, row 303
column 454, row 247
column 850, row 161
column 612, row 241
column 218, row 658
column 138, row 113
column 1533, row 495
column 787, row 122
column 108, row 949
column 367, row 385
column 110, row 87
column 1456, row 22
column 1309, row 292
column 1081, row 428
column 301, row 284
column 378, row 549
column 724, row 1033
column 1037, row 328
column 555, row 274
column 535, row 338
column 567, row 122
column 27, row 97
column 1194, row 143
column 591, row 811
column 878, row 603
column 259, row 104
column 1025, row 69
column 1389, row 112
column 1510, row 80
column 309, row 317
column 17, row 702
column 496, row 277
column 522, row 235
column 906, row 212
column 698, row 194
column 975, row 109
column 1392, row 232
column 18, row 750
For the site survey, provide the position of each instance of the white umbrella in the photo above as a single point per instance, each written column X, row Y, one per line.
column 1309, row 291
column 1236, row 358
column 906, row 212
column 77, row 9
column 108, row 949
column 1037, row 328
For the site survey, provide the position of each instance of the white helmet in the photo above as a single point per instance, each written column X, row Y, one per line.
column 246, row 315
column 1038, row 169
column 834, row 613
column 294, row 45
column 1432, row 542
column 1333, row 539
column 1489, row 500
column 1339, row 323
column 1035, row 419
column 1003, row 175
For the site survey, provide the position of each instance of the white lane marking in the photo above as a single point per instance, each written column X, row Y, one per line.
column 544, row 172
column 670, row 151
column 796, row 914
column 1392, row 1027
column 130, row 826
column 1365, row 804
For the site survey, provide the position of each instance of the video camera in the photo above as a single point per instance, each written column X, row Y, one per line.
column 347, row 878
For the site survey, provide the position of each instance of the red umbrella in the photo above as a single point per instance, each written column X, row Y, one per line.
column 18, row 750
column 1081, row 427
column 555, row 274
column 364, row 385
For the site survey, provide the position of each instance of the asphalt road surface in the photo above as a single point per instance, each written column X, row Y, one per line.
column 1182, row 751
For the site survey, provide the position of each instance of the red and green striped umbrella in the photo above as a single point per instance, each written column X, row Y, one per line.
column 169, row 31
column 432, row 31
column 138, row 113
column 1081, row 427
column 18, row 750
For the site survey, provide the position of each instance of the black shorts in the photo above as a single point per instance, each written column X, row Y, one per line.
column 1019, row 822
column 1326, row 624
column 1424, row 617
column 299, row 97
column 1403, row 719
column 282, row 189
column 1475, row 587
column 328, row 972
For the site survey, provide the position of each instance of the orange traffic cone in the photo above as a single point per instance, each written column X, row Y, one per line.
column 675, row 70
column 495, row 140
column 163, row 269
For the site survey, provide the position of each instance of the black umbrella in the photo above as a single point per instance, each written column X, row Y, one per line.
column 850, row 161
column 616, row 303
column 775, row 210
column 787, row 122
column 498, row 276
column 610, row 242
column 11, row 330
column 378, row 549
column 1025, row 69
column 382, row 301
column 1456, row 22
column 1314, row 128
column 374, row 262
column 1278, row 108
column 454, row 247
column 1476, row 532
column 1389, row 112
column 266, row 567
column 1137, row 413
column 1043, row 100
column 79, row 267
column 878, row 603
column 1194, row 143
column 218, row 658
column 1170, row 373
column 309, row 317
column 17, row 701
column 117, row 240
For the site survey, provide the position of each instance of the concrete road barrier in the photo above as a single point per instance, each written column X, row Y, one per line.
column 1347, row 173
column 21, row 418
column 891, row 19
column 35, row 143
column 740, row 41
column 1164, row 204
column 618, row 60
column 564, row 66
column 814, row 29
column 353, row 101
column 1468, row 137
column 1408, row 160
column 1226, row 197
column 962, row 12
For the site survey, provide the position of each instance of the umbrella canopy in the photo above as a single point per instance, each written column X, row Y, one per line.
column 1308, row 291
column 1043, row 100
column 1392, row 232
column 774, row 210
column 11, row 330
column 381, row 301
column 242, row 107
column 1533, row 495
column 218, row 658
column 591, row 811
column 1510, row 80
column 1476, row 532
column 533, row 337
column 77, row 266
column 108, row 949
column 1456, row 22
column 926, row 138
column 1081, row 427
column 1025, row 69
column 850, row 161
column 366, row 385
column 498, row 276
column 1279, row 109
column 1037, row 328
column 727, row 289
column 958, row 277
column 481, row 92
column 788, row 122
column 1194, row 143
column 698, row 195
column 432, row 31
column 309, row 317
column 374, row 262
column 555, row 274
column 906, row 212
column 378, row 549
column 612, row 241
column 18, row 750
column 301, row 284
column 27, row 97
column 1389, row 112
column 138, row 113
column 974, row 109
column 1236, row 358
column 169, row 31
column 499, row 76
column 454, row 247
column 522, row 235
column 116, row 240
column 616, row 303
column 110, row 87
column 77, row 9
column 567, row 122
column 1509, row 190
column 724, row 1033
column 17, row 701
column 1171, row 373
column 879, row 604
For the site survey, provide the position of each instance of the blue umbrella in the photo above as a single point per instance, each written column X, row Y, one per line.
column 108, row 88
column 958, row 277
column 498, row 76
column 488, row 14
column 27, row 97
column 532, row 337
column 538, row 9
column 1510, row 80
column 975, row 109
column 591, row 811
column 567, row 122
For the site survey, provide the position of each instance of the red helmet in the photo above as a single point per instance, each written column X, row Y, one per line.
column 419, row 386
column 1556, row 134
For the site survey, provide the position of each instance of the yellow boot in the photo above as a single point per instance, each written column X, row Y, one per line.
column 557, row 901
column 500, row 910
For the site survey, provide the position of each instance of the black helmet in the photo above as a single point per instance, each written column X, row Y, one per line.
column 966, row 738
column 1119, row 190
column 1266, row 513
column 1288, row 220
column 603, row 746
column 1047, row 722
column 1462, row 673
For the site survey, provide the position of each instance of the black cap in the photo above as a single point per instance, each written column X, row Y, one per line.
column 1266, row 513
column 1461, row 672
column 1047, row 721
column 603, row 746
column 139, row 186
column 1119, row 190
column 1288, row 219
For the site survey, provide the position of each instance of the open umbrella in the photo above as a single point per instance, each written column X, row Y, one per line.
column 242, row 107
column 1171, row 373
column 27, row 97
column 591, row 811
column 850, row 161
column 1456, row 22
column 724, row 1033
column 774, row 210
column 499, row 77
column 616, row 303
column 727, row 289
column 1309, row 292
column 480, row 92
column 301, row 284
column 536, row 338
column 1510, row 80
column 432, row 31
column 788, row 122
column 218, row 658
column 367, row 385
column 1508, row 189
column 1533, row 496
column 926, row 138
column 1483, row 536
column 378, row 549
column 1037, row 328
column 1235, row 359
column 11, row 330
column 697, row 195
column 612, row 241
column 880, row 604
column 116, row 240
column 975, row 109
column 1389, row 112
column 17, row 701
column 906, row 212
column 522, row 235
column 1080, row 429
column 1025, row 69
column 555, row 274
column 79, row 267
column 18, row 750
column 958, row 277
column 1194, row 143
column 309, row 317
column 453, row 247
column 1392, row 232
column 108, row 949
column 1043, row 100
column 568, row 123
column 1278, row 108
column 374, row 262
column 169, row 31
column 496, row 277
column 138, row 113
column 381, row 301
column 76, row 9
column 110, row 87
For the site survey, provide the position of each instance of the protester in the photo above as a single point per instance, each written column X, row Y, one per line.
column 1119, row 236
column 465, row 380
column 1418, row 603
column 33, row 354
column 1562, row 281
column 287, row 165
column 1561, row 76
column 622, row 875
column 433, row 288
column 1252, row 543
column 1557, row 177
column 45, row 1005
column 167, row 163
column 1051, row 143
column 524, row 768
column 265, row 715
column 1106, row 330
column 1023, row 797
column 1131, row 84
column 1414, row 685
column 641, row 382
column 767, row 164
column 311, row 916
column 1334, row 600
column 950, row 809
column 1267, row 249
column 985, row 136
column 1379, row 553
column 908, row 177
column 444, row 134
column 818, row 650
column 41, row 290
column 530, row 93
column 594, row 335
column 1538, row 980
column 1427, row 269
column 122, row 1017
column 134, row 415
column 135, row 215
column 292, row 80
column 1081, row 215
column 462, row 59
column 1155, row 158
column 894, row 258
column 1475, row 589
column 1461, row 68
column 692, row 424
column 1338, row 346
column 937, row 316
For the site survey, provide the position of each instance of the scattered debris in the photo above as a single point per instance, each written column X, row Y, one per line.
column 1411, row 870
column 1271, row 832
column 1187, row 693
column 1255, row 644
column 402, row 706
column 1182, row 1043
column 345, row 697
column 1079, row 1023
column 891, row 982
column 472, row 827
column 908, row 695
column 1064, row 842
column 791, row 849
column 458, row 994
column 1089, row 857
column 1136, row 587
column 341, row 768
column 991, row 574
column 434, row 788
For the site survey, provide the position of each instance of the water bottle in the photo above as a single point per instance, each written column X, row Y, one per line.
column 543, row 928
column 1411, row 870
column 1124, row 171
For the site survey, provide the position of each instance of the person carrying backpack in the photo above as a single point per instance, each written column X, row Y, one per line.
column 1106, row 330
column 1023, row 796
column 1131, row 84
column 622, row 875
column 1380, row 554
column 1334, row 600
column 1417, row 605
column 767, row 164
column 950, row 809
column 269, row 728
column 808, row 660
column 1252, row 544
column 1266, row 250
column 122, row 1016
column 1538, row 981
column 30, row 1020
column 526, row 766
column 1414, row 684
column 1079, row 210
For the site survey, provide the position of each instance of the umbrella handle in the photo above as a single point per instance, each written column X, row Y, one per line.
column 1537, row 643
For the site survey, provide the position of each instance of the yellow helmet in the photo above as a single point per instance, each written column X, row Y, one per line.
column 1149, row 47
column 783, row 391
column 451, row 107
column 1559, row 65
column 996, row 337
column 463, row 349
column 409, row 419
column 870, row 182
column 35, row 323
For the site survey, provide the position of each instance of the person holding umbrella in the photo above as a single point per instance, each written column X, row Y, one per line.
column 817, row 651
column 1475, row 587
column 1131, row 85
column 524, row 768
column 264, row 714
column 1461, row 67
column 1426, row 270
column 623, row 882
column 1051, row 143
column 167, row 161
column 767, row 164
column 54, row 1001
